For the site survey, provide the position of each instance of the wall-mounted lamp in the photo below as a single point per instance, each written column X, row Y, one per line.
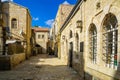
column 98, row 5
column 63, row 37
column 79, row 25
column 1, row 17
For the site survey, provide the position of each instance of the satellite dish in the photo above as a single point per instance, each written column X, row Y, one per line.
column 10, row 41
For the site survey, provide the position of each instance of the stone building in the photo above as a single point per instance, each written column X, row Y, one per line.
column 17, row 20
column 62, row 14
column 90, row 40
column 41, row 39
column 17, row 29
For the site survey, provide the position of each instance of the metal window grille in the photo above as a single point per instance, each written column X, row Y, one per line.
column 110, row 39
column 93, row 44
column 14, row 23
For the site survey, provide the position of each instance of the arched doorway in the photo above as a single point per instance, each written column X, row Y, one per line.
column 71, row 54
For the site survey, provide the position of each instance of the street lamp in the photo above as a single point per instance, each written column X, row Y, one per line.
column 1, row 18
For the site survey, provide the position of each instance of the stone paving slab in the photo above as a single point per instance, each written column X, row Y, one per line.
column 40, row 67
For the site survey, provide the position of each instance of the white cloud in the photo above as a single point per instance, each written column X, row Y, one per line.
column 6, row 0
column 35, row 18
column 39, row 26
column 49, row 22
column 65, row 2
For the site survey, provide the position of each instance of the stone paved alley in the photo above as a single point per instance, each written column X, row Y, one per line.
column 41, row 67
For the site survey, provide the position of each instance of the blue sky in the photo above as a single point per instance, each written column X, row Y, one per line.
column 43, row 12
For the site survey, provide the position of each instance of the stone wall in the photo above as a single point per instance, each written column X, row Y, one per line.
column 19, row 13
column 8, row 62
column 64, row 12
column 97, row 12
column 90, row 11
column 61, row 16
column 5, row 63
column 16, row 59
column 23, row 22
column 42, row 41
column 22, row 33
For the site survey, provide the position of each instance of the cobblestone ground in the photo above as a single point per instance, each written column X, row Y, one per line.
column 41, row 67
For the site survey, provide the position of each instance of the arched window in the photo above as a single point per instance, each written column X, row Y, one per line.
column 110, row 40
column 70, row 34
column 93, row 43
column 14, row 23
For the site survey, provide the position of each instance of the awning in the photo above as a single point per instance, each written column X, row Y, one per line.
column 10, row 41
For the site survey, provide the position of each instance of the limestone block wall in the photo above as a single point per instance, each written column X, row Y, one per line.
column 61, row 16
column 77, row 58
column 5, row 63
column 64, row 10
column 20, row 13
column 42, row 41
column 91, row 13
column 10, row 61
column 23, row 19
column 16, row 59
column 96, row 16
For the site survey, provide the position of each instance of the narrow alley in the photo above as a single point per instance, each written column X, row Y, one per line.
column 41, row 67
